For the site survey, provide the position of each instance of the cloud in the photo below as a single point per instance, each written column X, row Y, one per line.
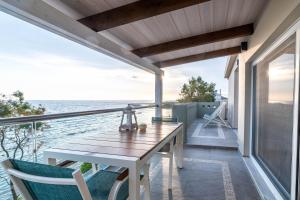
column 48, row 76
column 73, row 78
column 46, row 66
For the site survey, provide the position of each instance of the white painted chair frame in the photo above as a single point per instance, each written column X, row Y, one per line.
column 78, row 180
column 145, row 181
column 216, row 117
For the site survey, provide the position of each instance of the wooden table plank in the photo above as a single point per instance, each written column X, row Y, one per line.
column 161, row 128
column 124, row 140
column 127, row 138
column 134, row 144
column 103, row 150
column 130, row 136
column 134, row 134
column 112, row 144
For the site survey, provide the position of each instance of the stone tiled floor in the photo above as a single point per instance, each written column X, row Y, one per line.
column 216, row 172
column 211, row 136
column 208, row 174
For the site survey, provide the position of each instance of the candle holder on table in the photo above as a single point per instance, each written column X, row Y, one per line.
column 130, row 125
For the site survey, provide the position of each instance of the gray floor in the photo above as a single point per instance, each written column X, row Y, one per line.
column 208, row 174
column 213, row 169
column 211, row 136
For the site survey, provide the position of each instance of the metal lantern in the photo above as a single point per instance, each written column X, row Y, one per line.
column 129, row 126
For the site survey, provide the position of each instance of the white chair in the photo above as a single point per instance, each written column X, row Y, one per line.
column 216, row 117
column 46, row 182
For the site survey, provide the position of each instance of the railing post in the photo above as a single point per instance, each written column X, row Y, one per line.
column 158, row 94
column 33, row 133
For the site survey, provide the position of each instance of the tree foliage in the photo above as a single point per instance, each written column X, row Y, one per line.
column 15, row 106
column 13, row 138
column 197, row 90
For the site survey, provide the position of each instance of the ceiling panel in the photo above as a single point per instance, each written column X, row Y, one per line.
column 197, row 49
column 88, row 7
column 190, row 21
column 194, row 20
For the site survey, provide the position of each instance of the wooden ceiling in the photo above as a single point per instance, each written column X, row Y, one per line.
column 169, row 32
column 133, row 12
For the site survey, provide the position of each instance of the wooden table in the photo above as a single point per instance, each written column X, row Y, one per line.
column 130, row 150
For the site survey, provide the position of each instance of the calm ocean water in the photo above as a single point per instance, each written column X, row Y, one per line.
column 60, row 106
column 58, row 131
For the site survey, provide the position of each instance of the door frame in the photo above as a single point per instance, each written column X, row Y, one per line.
column 295, row 188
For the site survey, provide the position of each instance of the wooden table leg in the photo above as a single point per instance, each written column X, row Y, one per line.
column 134, row 183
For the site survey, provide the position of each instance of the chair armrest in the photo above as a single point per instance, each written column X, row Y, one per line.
column 66, row 163
column 123, row 175
column 121, row 179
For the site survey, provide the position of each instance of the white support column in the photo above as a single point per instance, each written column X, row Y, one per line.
column 158, row 94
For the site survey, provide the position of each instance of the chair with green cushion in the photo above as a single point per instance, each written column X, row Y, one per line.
column 45, row 182
column 167, row 151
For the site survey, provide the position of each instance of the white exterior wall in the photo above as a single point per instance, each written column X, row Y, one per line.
column 267, row 29
column 232, row 113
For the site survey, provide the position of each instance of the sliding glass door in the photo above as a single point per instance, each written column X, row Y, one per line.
column 273, row 113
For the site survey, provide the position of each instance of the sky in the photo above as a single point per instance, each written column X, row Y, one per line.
column 46, row 66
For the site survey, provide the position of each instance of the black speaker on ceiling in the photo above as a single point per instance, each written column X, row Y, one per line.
column 244, row 46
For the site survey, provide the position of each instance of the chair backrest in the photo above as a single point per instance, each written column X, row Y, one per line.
column 218, row 110
column 164, row 119
column 44, row 182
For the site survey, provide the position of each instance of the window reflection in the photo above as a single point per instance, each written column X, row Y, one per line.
column 281, row 79
column 273, row 111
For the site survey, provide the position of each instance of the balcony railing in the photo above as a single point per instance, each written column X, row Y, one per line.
column 27, row 137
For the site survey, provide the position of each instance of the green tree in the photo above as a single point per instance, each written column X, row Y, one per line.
column 197, row 90
column 14, row 139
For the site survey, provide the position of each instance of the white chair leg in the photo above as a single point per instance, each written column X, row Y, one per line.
column 171, row 164
column 146, row 182
column 206, row 124
column 223, row 122
column 226, row 123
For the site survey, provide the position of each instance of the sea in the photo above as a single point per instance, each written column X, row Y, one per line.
column 55, row 132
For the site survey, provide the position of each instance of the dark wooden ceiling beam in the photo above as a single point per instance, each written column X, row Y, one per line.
column 133, row 12
column 206, row 38
column 198, row 57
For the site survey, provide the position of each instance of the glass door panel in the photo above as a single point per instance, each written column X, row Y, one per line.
column 274, row 79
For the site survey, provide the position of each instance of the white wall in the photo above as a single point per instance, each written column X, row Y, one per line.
column 233, row 97
column 275, row 19
column 230, row 113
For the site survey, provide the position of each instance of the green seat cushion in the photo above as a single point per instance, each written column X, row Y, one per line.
column 101, row 183
column 100, row 190
column 40, row 191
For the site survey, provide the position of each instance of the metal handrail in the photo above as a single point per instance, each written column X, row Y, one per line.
column 37, row 118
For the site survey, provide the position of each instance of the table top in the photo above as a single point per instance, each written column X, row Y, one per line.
column 135, row 144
